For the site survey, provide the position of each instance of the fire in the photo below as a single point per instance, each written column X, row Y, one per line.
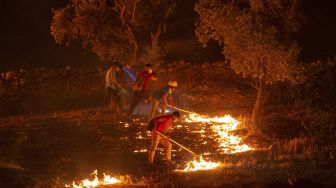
column 200, row 165
column 231, row 123
column 221, row 127
column 140, row 151
column 86, row 183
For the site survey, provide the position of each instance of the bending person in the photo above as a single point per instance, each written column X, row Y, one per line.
column 162, row 124
column 161, row 95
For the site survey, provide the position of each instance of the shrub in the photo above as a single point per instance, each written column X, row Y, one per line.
column 317, row 97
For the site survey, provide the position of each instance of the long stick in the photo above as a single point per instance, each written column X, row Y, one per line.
column 177, row 144
column 180, row 109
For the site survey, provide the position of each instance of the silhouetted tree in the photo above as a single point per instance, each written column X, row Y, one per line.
column 258, row 38
column 113, row 29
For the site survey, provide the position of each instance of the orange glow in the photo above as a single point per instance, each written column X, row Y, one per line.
column 221, row 127
column 201, row 164
column 87, row 183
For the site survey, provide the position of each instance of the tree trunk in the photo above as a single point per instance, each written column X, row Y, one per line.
column 133, row 40
column 257, row 110
column 155, row 38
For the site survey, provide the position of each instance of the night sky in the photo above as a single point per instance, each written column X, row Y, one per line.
column 26, row 38
column 27, row 43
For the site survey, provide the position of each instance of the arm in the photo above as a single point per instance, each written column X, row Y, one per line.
column 171, row 101
column 116, row 83
column 154, row 77
column 164, row 106
column 170, row 130
column 138, row 79
column 107, row 76
column 113, row 79
column 155, row 124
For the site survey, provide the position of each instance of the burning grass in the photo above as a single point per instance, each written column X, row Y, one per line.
column 221, row 129
column 199, row 164
column 58, row 149
column 95, row 182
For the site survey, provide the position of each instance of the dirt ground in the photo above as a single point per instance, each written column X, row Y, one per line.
column 51, row 150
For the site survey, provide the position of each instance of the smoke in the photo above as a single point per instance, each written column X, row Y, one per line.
column 10, row 165
column 129, row 73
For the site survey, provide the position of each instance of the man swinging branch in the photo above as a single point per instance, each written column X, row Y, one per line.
column 161, row 124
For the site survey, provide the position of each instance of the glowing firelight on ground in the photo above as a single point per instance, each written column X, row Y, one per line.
column 221, row 126
column 200, row 164
column 87, row 183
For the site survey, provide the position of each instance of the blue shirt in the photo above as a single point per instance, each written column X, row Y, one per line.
column 158, row 94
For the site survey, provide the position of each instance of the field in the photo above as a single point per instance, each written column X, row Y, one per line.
column 51, row 150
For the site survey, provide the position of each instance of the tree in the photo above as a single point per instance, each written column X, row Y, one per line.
column 316, row 97
column 258, row 38
column 112, row 28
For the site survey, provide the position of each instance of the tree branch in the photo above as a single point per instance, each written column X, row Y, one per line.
column 134, row 9
column 155, row 37
column 132, row 39
column 122, row 7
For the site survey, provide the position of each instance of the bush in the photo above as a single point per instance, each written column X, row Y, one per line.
column 322, row 125
column 317, row 96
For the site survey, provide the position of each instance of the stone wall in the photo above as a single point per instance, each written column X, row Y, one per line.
column 45, row 90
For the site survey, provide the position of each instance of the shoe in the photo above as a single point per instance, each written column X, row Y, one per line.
column 170, row 164
column 150, row 166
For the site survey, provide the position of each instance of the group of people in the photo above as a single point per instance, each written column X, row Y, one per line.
column 140, row 90
column 161, row 124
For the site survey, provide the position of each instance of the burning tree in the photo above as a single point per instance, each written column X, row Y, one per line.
column 113, row 28
column 258, row 38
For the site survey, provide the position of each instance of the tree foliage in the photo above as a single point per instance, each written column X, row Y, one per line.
column 113, row 29
column 316, row 95
column 258, row 37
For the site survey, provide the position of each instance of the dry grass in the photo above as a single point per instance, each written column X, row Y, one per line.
column 60, row 147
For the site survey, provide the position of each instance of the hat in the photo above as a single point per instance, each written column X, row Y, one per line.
column 172, row 83
column 148, row 65
column 117, row 64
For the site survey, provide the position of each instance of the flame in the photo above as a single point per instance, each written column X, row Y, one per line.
column 140, row 151
column 222, row 126
column 200, row 165
column 107, row 180
column 227, row 119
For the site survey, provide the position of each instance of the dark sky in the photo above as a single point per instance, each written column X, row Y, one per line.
column 318, row 36
column 26, row 41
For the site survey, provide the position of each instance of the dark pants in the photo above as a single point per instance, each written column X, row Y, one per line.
column 112, row 95
column 137, row 97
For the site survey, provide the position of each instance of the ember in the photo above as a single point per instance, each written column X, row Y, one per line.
column 107, row 180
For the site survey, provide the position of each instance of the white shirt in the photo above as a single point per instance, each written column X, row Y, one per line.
column 111, row 79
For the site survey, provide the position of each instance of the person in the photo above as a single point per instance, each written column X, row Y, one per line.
column 163, row 125
column 112, row 86
column 162, row 95
column 140, row 86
